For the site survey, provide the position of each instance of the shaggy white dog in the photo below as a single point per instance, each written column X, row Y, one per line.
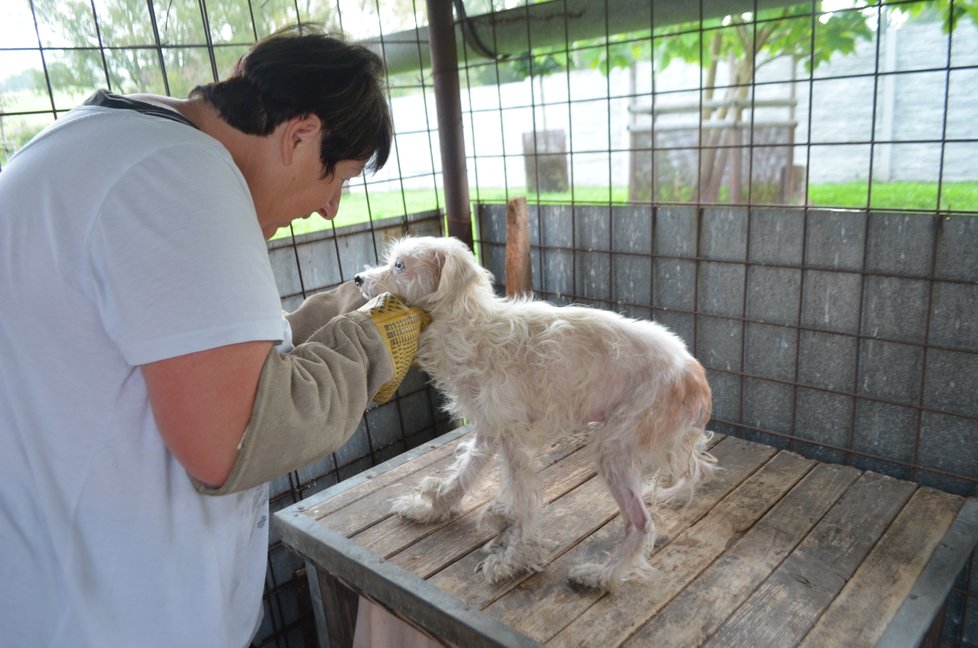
column 523, row 371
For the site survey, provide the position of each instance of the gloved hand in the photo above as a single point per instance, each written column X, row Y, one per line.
column 400, row 325
column 318, row 309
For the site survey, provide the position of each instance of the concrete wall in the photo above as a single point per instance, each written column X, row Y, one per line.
column 847, row 336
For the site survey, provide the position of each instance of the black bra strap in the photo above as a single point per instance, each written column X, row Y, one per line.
column 108, row 100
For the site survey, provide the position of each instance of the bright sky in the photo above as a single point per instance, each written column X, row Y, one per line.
column 16, row 30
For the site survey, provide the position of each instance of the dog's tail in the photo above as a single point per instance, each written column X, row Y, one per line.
column 687, row 462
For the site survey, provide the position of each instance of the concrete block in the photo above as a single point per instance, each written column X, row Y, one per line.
column 900, row 244
column 830, row 301
column 945, row 442
column 357, row 447
column 593, row 276
column 954, row 314
column 682, row 324
column 556, row 226
column 674, row 285
column 493, row 259
column 768, row 406
column 724, row 234
column 631, row 230
column 952, row 382
column 957, row 240
column 675, row 231
column 776, row 236
column 885, row 430
column 721, row 289
column 492, row 223
column 895, row 308
column 726, row 394
column 558, row 275
column 771, row 351
column 773, row 295
column 890, row 371
column 826, row 360
column 823, row 417
column 835, row 240
column 631, row 279
column 718, row 343
column 592, row 227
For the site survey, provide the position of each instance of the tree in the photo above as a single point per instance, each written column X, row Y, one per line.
column 730, row 51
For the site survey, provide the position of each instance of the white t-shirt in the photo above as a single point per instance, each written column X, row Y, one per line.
column 124, row 239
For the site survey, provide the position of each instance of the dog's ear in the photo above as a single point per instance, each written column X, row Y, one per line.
column 459, row 272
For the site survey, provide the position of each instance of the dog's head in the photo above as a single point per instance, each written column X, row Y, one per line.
column 427, row 272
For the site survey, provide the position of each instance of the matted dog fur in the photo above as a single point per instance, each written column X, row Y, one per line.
column 523, row 372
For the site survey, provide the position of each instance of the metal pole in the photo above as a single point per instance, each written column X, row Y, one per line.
column 444, row 70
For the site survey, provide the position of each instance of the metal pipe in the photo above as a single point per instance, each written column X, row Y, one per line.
column 448, row 104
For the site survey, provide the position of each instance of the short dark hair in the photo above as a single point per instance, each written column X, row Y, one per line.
column 298, row 71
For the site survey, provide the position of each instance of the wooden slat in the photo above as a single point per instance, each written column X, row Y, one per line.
column 615, row 617
column 351, row 490
column 566, row 522
column 790, row 600
column 690, row 618
column 547, row 602
column 373, row 498
column 391, row 534
column 859, row 615
column 927, row 598
column 463, row 535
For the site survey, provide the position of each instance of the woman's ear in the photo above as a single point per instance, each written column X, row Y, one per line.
column 301, row 131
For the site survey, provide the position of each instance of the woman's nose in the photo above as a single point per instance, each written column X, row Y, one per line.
column 332, row 207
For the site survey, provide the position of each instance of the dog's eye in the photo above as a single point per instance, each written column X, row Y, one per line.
column 399, row 265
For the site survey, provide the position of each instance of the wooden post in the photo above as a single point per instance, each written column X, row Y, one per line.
column 519, row 274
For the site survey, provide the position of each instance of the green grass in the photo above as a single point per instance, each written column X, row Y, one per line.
column 955, row 196
column 360, row 208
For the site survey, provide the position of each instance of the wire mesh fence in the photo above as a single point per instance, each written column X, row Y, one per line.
column 791, row 186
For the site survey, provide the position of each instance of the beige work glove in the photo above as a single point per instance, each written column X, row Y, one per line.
column 400, row 326
column 310, row 400
column 318, row 309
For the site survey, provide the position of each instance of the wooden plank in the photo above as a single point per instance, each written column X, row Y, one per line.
column 861, row 612
column 519, row 273
column 696, row 613
column 391, row 534
column 566, row 521
column 340, row 605
column 350, row 490
column 927, row 598
column 547, row 602
column 613, row 618
column 373, row 500
column 413, row 599
column 786, row 605
column 464, row 534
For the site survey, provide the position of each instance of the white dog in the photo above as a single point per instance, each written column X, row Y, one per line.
column 522, row 371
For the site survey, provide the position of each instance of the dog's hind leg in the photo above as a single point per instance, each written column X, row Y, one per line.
column 623, row 477
column 436, row 499
column 518, row 548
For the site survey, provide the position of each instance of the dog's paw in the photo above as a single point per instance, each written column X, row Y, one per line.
column 495, row 516
column 509, row 557
column 499, row 566
column 417, row 508
column 607, row 578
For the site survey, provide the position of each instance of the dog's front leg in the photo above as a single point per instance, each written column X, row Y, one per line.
column 436, row 499
column 518, row 548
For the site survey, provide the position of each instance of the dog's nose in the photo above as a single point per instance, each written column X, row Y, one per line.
column 358, row 280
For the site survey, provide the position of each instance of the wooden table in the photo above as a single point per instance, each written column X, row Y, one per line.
column 776, row 550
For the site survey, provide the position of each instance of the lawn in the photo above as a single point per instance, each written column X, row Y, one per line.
column 358, row 207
